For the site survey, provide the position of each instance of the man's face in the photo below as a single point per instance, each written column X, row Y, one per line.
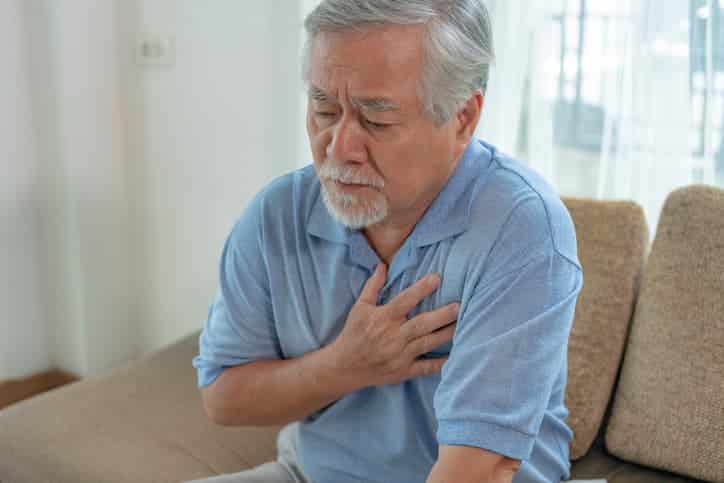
column 379, row 156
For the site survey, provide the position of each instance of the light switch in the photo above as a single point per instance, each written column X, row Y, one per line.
column 155, row 50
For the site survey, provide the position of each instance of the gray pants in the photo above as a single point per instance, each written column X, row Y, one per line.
column 284, row 470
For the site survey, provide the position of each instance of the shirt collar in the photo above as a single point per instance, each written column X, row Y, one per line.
column 449, row 213
column 447, row 216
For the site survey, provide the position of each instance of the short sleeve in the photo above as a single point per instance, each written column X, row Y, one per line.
column 509, row 349
column 240, row 326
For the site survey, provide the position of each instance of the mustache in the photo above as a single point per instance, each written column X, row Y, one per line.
column 349, row 175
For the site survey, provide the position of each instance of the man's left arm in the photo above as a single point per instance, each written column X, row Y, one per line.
column 508, row 354
column 467, row 464
column 508, row 351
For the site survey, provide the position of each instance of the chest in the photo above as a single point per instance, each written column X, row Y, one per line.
column 312, row 293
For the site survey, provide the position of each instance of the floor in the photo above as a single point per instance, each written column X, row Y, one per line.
column 17, row 390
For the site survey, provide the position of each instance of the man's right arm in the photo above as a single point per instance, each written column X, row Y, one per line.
column 275, row 392
column 377, row 346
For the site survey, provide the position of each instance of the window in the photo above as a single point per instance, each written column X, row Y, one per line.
column 706, row 81
column 616, row 79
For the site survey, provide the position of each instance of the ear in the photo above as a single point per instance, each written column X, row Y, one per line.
column 467, row 118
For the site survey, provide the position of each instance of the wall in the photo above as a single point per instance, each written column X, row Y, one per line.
column 206, row 134
column 125, row 180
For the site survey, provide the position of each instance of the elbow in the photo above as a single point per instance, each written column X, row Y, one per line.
column 221, row 417
column 215, row 416
column 232, row 419
column 226, row 416
column 213, row 412
column 221, row 420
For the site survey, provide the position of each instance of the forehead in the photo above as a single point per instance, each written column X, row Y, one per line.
column 383, row 61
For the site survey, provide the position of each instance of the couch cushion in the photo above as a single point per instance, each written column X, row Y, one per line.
column 668, row 410
column 612, row 237
column 598, row 464
column 140, row 423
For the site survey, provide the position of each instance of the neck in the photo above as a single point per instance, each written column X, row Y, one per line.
column 386, row 240
column 387, row 237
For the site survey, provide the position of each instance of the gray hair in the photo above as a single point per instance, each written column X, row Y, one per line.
column 458, row 44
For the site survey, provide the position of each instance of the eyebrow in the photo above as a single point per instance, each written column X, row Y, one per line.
column 376, row 104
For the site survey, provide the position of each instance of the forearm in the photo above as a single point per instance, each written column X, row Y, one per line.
column 442, row 473
column 276, row 392
column 466, row 464
column 461, row 474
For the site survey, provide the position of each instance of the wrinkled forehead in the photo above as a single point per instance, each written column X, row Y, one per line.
column 381, row 61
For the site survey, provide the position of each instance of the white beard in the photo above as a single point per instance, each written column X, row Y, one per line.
column 352, row 210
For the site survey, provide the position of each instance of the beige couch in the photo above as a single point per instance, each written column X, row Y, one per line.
column 653, row 414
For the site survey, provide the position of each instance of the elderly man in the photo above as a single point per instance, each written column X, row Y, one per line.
column 404, row 303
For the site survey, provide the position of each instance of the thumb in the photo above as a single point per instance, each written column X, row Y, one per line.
column 371, row 289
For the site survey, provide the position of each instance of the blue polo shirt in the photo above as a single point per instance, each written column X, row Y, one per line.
column 505, row 247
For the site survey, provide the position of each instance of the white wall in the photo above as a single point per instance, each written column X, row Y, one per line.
column 207, row 134
column 125, row 180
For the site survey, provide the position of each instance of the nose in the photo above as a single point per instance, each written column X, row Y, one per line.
column 347, row 144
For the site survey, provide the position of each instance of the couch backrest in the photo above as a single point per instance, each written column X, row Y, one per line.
column 612, row 238
column 668, row 411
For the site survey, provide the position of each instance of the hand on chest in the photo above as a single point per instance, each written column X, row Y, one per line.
column 314, row 318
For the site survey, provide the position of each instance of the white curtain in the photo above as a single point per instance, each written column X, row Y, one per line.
column 610, row 99
column 65, row 242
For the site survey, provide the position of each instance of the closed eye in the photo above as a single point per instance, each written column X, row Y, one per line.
column 376, row 125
